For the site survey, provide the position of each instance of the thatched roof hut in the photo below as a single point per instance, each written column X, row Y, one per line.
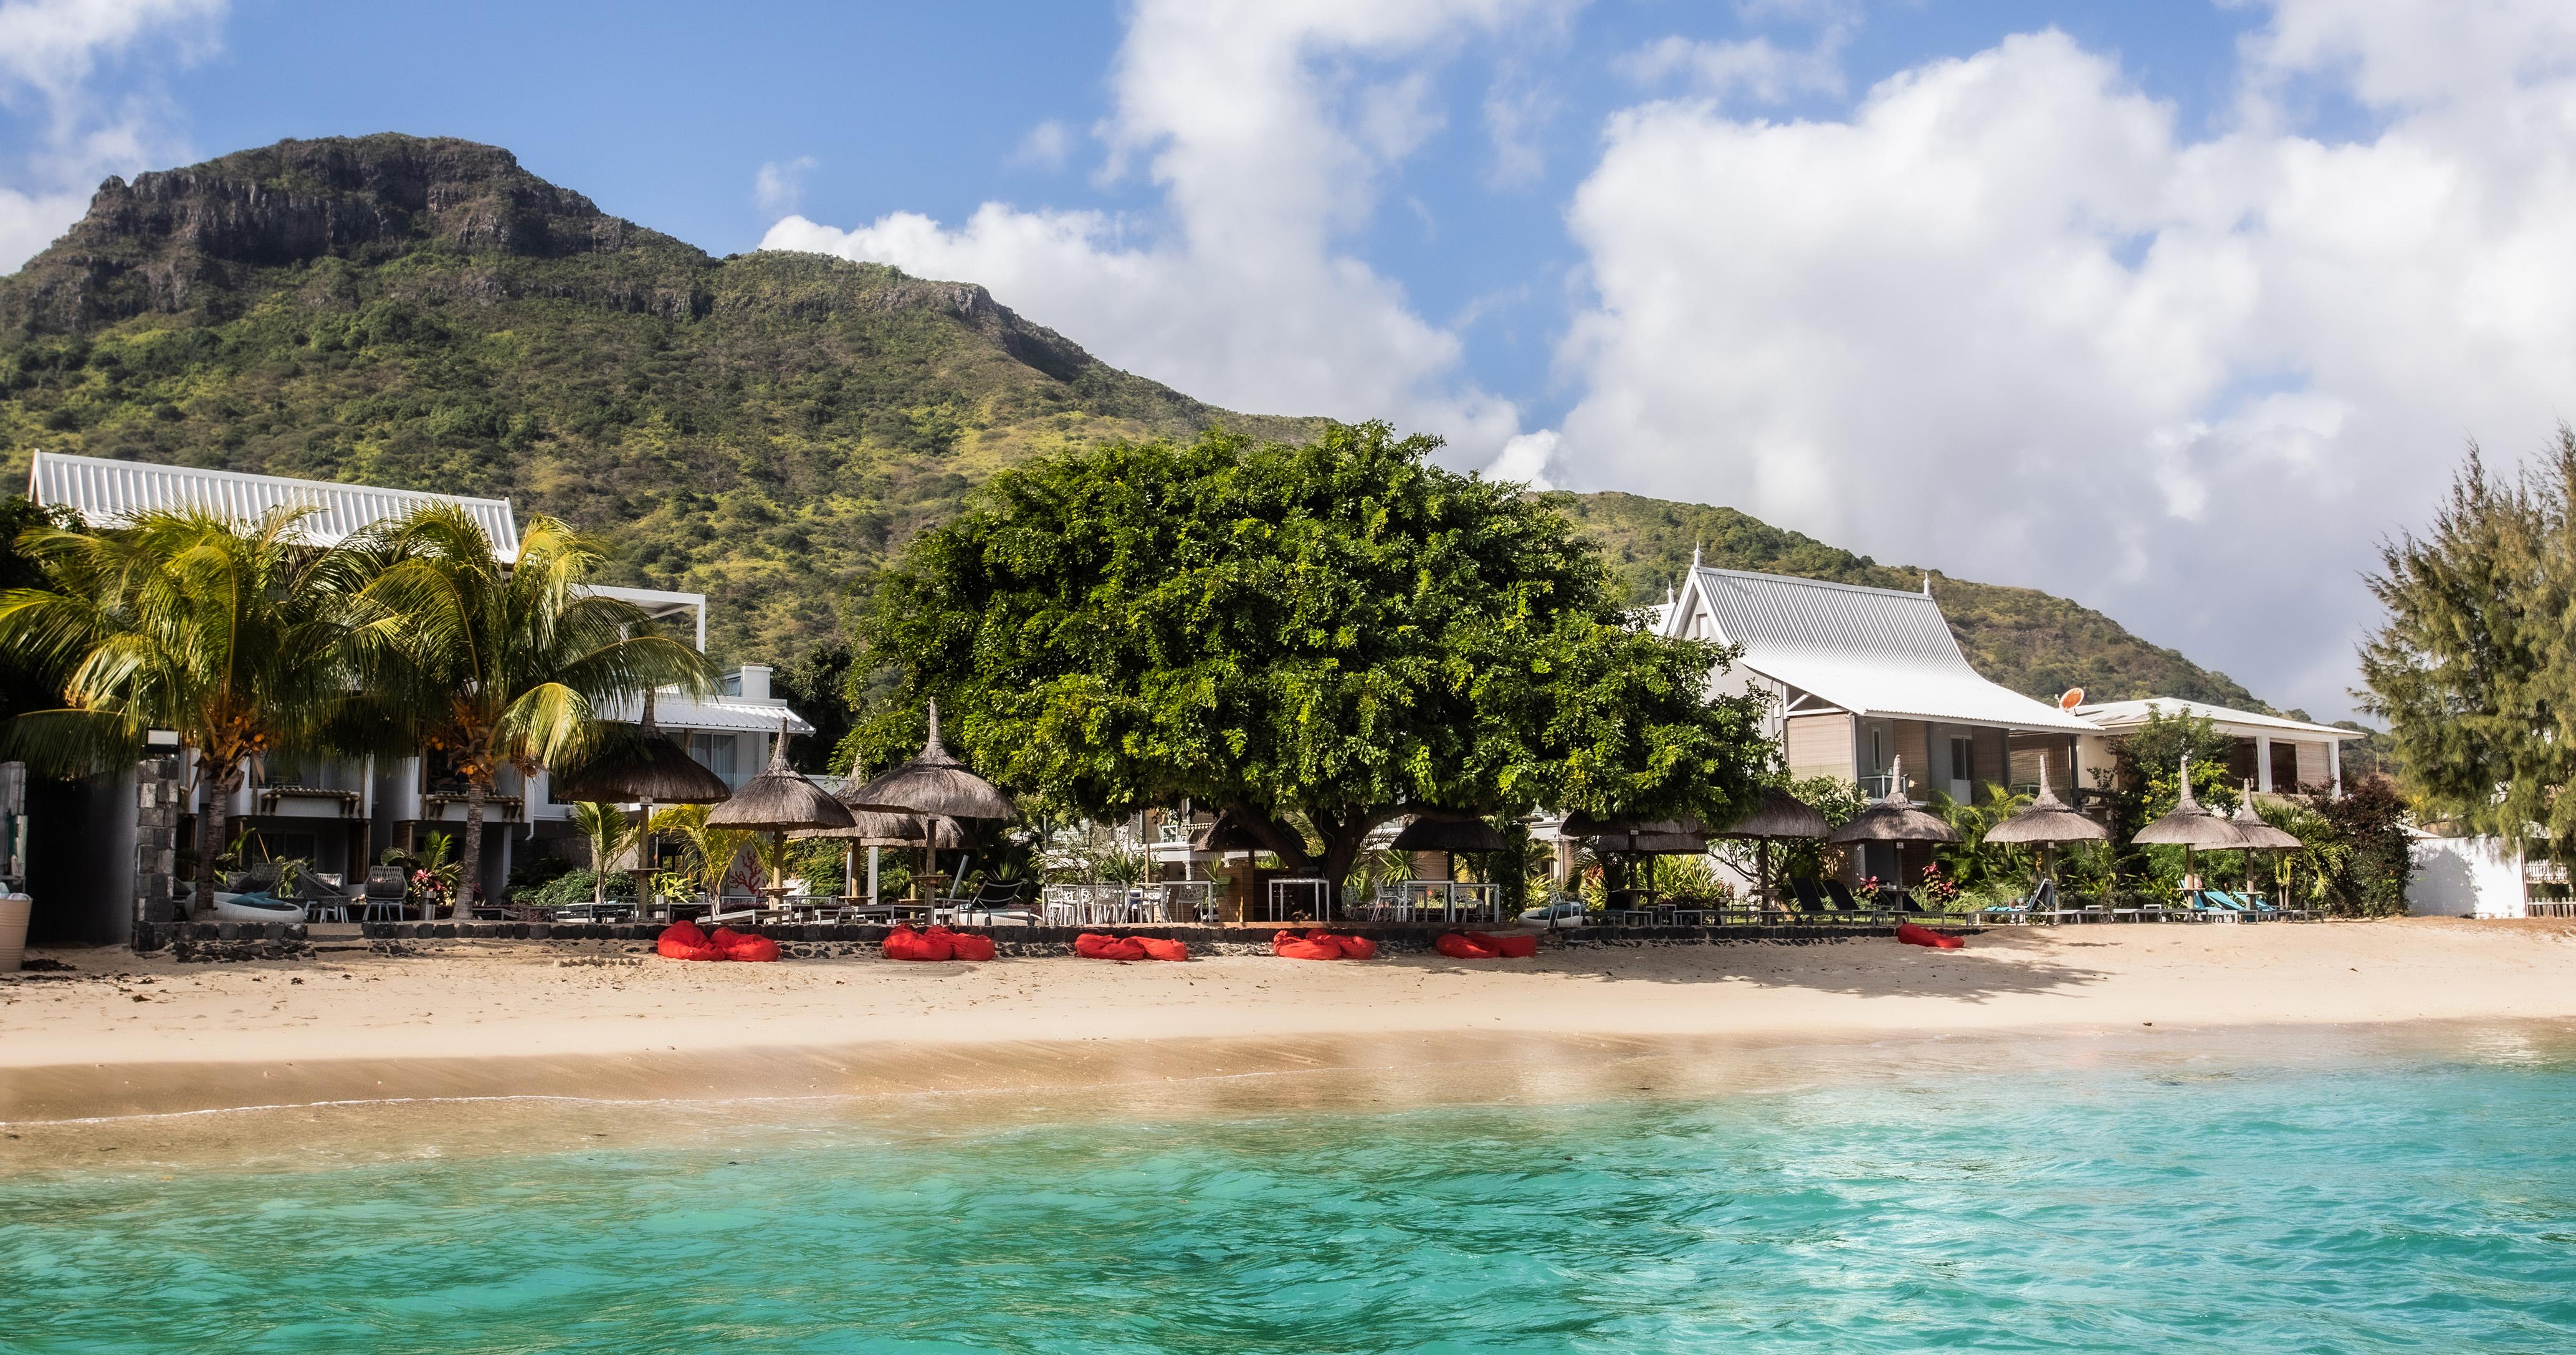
column 1893, row 818
column 1684, row 836
column 648, row 769
column 2189, row 825
column 1438, row 831
column 2047, row 820
column 935, row 783
column 1779, row 815
column 2257, row 834
column 780, row 800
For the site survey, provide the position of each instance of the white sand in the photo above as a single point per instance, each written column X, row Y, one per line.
column 482, row 999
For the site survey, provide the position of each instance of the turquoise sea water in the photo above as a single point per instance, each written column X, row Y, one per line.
column 2416, row 1201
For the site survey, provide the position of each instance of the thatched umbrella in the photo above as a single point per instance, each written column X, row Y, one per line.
column 876, row 829
column 936, row 783
column 2047, row 821
column 1438, row 830
column 651, row 770
column 2258, row 835
column 2190, row 827
column 1624, row 836
column 1780, row 815
column 780, row 801
column 1892, row 818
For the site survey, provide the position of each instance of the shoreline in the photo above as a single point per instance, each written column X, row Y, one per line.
column 153, row 1037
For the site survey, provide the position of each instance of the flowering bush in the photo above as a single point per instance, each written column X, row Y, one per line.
column 1937, row 887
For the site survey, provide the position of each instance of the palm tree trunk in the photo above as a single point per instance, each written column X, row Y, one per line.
column 469, row 876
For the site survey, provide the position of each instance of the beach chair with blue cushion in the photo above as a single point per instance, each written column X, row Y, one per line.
column 2210, row 905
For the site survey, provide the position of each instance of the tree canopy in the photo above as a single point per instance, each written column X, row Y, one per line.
column 2475, row 666
column 1314, row 639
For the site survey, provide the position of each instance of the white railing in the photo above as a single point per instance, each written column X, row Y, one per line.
column 1435, row 900
column 1297, row 898
column 1105, row 905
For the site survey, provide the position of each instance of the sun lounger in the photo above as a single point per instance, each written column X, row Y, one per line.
column 1842, row 897
column 2209, row 905
column 1810, row 897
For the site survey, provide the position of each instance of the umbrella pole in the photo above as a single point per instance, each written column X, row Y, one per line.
column 850, row 871
column 1762, row 871
column 872, row 875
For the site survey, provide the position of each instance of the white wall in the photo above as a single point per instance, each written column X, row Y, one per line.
column 2465, row 877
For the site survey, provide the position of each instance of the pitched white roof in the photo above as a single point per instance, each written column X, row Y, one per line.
column 710, row 714
column 104, row 492
column 2122, row 714
column 1871, row 651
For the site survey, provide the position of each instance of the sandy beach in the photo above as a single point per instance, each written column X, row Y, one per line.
column 120, row 1035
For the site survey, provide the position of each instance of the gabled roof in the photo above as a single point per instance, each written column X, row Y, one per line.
column 1870, row 651
column 709, row 714
column 2123, row 714
column 104, row 492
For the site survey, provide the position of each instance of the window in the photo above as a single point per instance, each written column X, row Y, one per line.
column 715, row 753
column 1963, row 759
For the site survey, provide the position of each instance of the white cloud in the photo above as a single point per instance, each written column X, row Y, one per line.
column 1045, row 147
column 780, row 183
column 2007, row 318
column 1755, row 67
column 1268, row 129
column 50, row 50
column 1525, row 458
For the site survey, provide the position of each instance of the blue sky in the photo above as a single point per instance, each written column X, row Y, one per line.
column 2175, row 308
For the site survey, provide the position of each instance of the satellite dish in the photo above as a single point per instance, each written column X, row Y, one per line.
column 2073, row 697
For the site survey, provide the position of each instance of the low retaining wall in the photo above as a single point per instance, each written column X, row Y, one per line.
column 811, row 940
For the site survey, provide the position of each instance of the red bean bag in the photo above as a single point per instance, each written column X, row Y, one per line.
column 1094, row 946
column 1460, row 947
column 903, row 943
column 1507, row 947
column 1291, row 946
column 749, row 946
column 683, row 941
column 968, row 946
column 1156, row 948
column 1353, row 947
column 1913, row 935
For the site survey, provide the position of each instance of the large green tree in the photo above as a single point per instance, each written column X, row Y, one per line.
column 504, row 664
column 1312, row 638
column 2475, row 665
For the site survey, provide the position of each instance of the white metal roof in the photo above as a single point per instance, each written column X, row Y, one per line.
column 1871, row 651
column 2123, row 714
column 710, row 714
column 104, row 492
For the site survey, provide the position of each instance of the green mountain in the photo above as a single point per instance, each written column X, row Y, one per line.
column 762, row 428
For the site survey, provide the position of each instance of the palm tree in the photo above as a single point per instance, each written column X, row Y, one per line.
column 504, row 665
column 708, row 851
column 237, row 636
column 610, row 833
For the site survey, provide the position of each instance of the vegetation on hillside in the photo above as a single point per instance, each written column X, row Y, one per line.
column 765, row 428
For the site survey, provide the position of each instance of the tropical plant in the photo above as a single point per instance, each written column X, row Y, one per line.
column 610, row 834
column 2475, row 665
column 492, row 664
column 236, row 637
column 1972, row 863
column 707, row 853
column 1311, row 638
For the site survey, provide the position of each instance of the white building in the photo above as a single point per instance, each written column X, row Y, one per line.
column 2278, row 754
column 340, row 813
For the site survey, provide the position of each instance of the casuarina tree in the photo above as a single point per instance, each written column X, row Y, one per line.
column 1314, row 639
column 2475, row 666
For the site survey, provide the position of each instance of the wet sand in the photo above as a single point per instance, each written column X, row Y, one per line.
column 485, row 1045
